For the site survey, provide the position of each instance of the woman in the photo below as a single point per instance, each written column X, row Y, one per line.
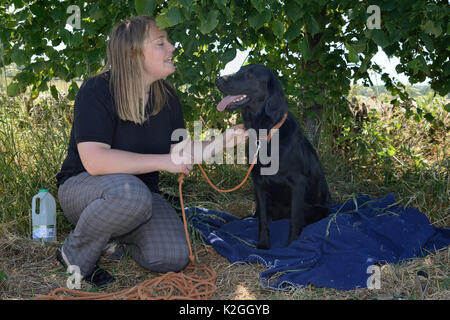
column 120, row 140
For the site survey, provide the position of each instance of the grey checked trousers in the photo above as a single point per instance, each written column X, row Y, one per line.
column 120, row 207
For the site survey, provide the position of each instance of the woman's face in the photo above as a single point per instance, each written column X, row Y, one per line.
column 158, row 53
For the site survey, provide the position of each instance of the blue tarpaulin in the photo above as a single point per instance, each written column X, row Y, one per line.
column 337, row 252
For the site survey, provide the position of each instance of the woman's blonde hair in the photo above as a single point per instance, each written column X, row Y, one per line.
column 126, row 64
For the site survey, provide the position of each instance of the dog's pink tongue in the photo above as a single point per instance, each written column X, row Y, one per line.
column 225, row 101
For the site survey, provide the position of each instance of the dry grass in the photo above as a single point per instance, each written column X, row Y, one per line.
column 32, row 271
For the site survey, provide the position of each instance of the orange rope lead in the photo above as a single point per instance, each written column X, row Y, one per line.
column 255, row 158
column 180, row 191
column 232, row 189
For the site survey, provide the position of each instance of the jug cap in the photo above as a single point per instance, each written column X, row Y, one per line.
column 43, row 190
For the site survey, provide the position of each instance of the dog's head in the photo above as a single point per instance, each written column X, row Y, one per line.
column 254, row 87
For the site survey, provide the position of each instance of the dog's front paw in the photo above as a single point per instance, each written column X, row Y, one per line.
column 263, row 246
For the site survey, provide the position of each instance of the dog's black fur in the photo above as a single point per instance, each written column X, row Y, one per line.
column 298, row 190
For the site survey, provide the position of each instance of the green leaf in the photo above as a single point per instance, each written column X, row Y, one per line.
column 18, row 4
column 314, row 26
column 304, row 49
column 360, row 46
column 162, row 21
column 97, row 13
column 174, row 16
column 447, row 107
column 428, row 41
column 43, row 86
column 60, row 71
column 72, row 92
column 429, row 117
column 278, row 29
column 38, row 66
column 37, row 9
column 77, row 39
column 209, row 23
column 258, row 4
column 418, row 64
column 293, row 11
column 446, row 68
column 25, row 77
column 188, row 45
column 379, row 37
column 293, row 32
column 229, row 55
column 363, row 67
column 186, row 3
column 394, row 34
column 389, row 5
column 18, row 57
column 145, row 7
column 169, row 18
column 13, row 89
column 430, row 27
column 65, row 35
column 54, row 92
column 257, row 20
column 352, row 54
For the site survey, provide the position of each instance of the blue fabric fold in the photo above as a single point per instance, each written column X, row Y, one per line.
column 336, row 252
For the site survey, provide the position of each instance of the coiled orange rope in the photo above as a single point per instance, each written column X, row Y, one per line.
column 197, row 282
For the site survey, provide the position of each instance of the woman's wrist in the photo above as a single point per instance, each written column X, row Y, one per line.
column 166, row 163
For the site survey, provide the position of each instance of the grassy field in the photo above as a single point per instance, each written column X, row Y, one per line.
column 383, row 151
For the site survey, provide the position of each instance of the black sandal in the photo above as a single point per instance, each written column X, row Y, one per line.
column 98, row 277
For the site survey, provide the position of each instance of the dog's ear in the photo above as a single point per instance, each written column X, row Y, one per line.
column 275, row 102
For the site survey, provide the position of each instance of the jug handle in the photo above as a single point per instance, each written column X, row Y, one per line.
column 33, row 205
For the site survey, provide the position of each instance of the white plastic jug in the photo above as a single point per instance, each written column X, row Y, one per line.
column 44, row 220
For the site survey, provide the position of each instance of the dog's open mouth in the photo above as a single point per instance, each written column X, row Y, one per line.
column 232, row 102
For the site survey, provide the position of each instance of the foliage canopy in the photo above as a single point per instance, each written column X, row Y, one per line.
column 317, row 46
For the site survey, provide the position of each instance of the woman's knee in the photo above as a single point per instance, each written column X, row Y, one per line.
column 124, row 193
column 174, row 261
column 130, row 193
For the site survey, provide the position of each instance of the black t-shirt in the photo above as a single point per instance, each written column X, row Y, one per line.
column 96, row 119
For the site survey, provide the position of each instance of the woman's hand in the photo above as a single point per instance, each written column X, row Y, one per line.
column 234, row 136
column 174, row 167
column 181, row 157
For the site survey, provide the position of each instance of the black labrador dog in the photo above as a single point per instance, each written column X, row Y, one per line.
column 298, row 190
